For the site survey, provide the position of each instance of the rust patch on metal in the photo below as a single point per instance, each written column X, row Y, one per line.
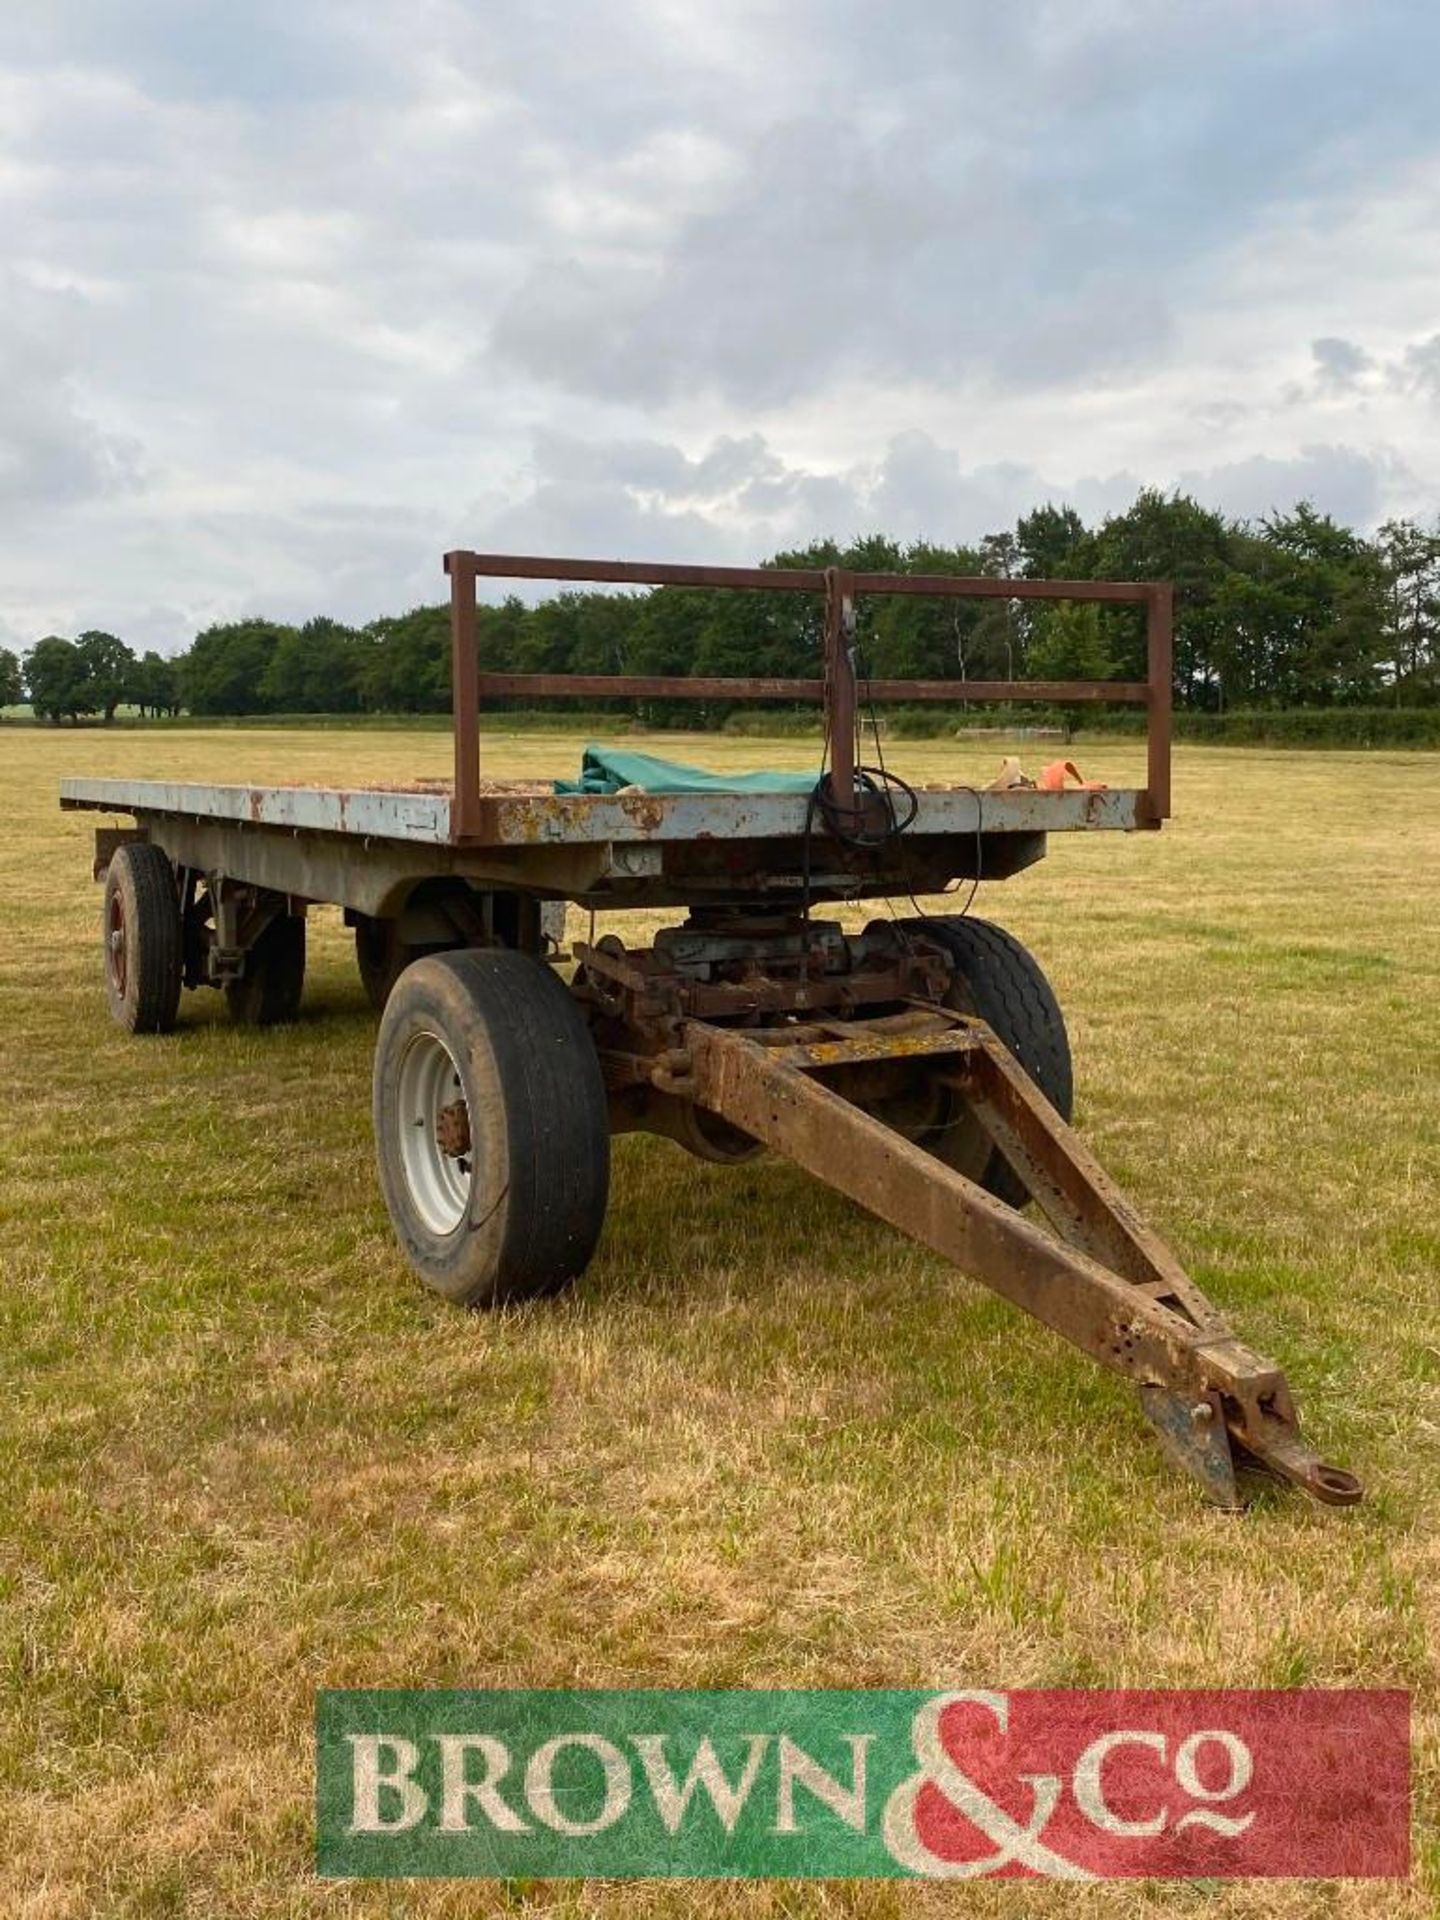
column 644, row 810
column 452, row 1129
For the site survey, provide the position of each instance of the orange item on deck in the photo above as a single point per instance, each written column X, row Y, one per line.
column 1053, row 778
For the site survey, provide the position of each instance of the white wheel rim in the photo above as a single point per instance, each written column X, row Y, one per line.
column 439, row 1181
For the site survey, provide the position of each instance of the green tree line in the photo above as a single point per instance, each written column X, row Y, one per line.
column 1294, row 611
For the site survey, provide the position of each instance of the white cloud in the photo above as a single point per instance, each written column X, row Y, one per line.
column 52, row 454
column 1355, row 487
column 299, row 293
column 1340, row 365
column 1418, row 368
column 740, row 498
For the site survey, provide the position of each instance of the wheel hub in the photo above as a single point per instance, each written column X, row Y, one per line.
column 452, row 1129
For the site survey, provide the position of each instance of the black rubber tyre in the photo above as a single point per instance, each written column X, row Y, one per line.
column 140, row 925
column 1001, row 981
column 492, row 1130
column 269, row 991
column 382, row 956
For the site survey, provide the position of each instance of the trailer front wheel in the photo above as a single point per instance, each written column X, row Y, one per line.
column 1001, row 981
column 491, row 1126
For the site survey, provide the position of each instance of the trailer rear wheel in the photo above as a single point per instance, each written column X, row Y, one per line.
column 141, row 928
column 382, row 956
column 491, row 1127
column 268, row 992
column 1001, row 981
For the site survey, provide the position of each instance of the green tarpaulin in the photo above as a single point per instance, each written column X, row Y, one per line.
column 609, row 769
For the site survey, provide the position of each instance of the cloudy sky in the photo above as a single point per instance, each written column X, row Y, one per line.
column 296, row 293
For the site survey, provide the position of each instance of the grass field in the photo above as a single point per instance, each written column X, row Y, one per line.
column 766, row 1441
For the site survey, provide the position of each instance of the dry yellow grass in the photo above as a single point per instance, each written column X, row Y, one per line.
column 766, row 1441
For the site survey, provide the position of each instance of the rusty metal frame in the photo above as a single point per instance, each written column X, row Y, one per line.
column 1102, row 1279
column 795, row 1036
column 840, row 588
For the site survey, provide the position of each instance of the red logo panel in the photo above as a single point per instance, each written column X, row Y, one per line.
column 1224, row 1784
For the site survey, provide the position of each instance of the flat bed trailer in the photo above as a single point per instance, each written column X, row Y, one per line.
column 920, row 1066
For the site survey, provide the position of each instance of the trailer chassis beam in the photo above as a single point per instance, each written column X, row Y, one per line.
column 1103, row 1279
